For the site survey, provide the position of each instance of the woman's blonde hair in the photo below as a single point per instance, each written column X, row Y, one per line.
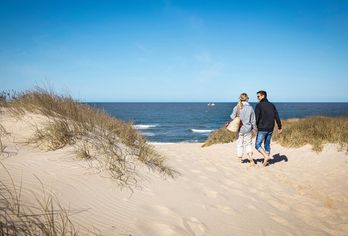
column 242, row 98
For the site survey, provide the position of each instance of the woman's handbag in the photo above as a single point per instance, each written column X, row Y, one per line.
column 235, row 124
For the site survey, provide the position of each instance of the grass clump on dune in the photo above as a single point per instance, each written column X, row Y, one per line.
column 114, row 144
column 43, row 216
column 221, row 135
column 3, row 133
column 57, row 134
column 316, row 131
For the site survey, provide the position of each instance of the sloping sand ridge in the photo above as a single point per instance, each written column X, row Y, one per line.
column 300, row 193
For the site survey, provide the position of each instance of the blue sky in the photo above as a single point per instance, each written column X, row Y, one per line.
column 177, row 50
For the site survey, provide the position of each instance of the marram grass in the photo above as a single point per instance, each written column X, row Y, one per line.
column 221, row 135
column 42, row 216
column 316, row 131
column 96, row 136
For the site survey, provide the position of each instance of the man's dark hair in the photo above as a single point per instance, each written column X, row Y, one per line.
column 263, row 93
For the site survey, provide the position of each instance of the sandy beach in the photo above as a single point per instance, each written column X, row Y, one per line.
column 300, row 193
column 124, row 117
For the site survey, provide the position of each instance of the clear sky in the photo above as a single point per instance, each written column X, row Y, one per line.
column 177, row 50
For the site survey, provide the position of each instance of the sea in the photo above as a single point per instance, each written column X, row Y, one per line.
column 193, row 122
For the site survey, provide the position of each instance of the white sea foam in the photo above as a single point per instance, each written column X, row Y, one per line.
column 190, row 141
column 149, row 134
column 144, row 126
column 202, row 130
column 169, row 143
column 161, row 143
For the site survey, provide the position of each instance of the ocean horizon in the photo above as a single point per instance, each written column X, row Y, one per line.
column 176, row 122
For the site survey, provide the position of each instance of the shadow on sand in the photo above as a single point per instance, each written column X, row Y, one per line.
column 276, row 158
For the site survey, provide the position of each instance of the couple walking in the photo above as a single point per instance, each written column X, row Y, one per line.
column 261, row 122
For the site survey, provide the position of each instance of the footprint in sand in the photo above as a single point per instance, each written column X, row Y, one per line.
column 238, row 192
column 160, row 210
column 222, row 208
column 196, row 171
column 251, row 206
column 280, row 220
column 203, row 177
column 278, row 205
column 161, row 229
column 211, row 169
column 210, row 193
column 252, row 190
column 194, row 226
column 168, row 223
column 233, row 183
column 163, row 210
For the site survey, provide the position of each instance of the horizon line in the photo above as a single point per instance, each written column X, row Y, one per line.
column 206, row 102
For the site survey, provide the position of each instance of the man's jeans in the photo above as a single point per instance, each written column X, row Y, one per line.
column 265, row 137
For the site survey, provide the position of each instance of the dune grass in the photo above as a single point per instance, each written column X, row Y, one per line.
column 44, row 216
column 3, row 133
column 96, row 136
column 316, row 131
column 2, row 147
column 221, row 135
column 57, row 134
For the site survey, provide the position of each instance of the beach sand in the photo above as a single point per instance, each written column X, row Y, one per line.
column 299, row 193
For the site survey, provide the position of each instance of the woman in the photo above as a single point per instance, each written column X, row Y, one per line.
column 248, row 124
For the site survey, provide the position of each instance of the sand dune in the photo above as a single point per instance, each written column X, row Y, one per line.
column 300, row 193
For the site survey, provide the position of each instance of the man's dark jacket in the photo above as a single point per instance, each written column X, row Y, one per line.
column 266, row 113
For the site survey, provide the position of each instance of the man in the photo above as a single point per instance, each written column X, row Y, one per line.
column 266, row 113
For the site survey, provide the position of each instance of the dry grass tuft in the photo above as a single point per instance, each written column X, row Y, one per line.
column 3, row 133
column 316, row 131
column 83, row 152
column 115, row 144
column 221, row 135
column 57, row 134
column 46, row 216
